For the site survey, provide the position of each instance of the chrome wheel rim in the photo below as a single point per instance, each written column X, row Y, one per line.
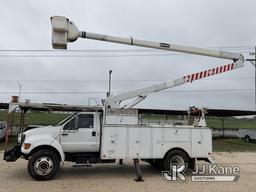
column 43, row 166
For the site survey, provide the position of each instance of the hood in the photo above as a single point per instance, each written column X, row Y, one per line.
column 51, row 131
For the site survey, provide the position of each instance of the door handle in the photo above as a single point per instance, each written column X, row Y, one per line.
column 94, row 133
column 64, row 134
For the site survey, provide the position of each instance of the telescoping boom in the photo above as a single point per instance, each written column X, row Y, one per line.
column 64, row 31
column 141, row 94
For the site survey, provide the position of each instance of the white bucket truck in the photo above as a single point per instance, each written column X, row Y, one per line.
column 105, row 134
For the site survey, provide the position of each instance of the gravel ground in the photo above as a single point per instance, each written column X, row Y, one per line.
column 114, row 177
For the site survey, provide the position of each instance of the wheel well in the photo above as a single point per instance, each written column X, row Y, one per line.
column 41, row 147
column 179, row 149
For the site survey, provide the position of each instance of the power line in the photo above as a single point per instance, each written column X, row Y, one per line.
column 244, row 47
column 57, row 52
column 120, row 80
column 101, row 92
column 81, row 56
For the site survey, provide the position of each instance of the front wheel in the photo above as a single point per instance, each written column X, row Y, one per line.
column 43, row 165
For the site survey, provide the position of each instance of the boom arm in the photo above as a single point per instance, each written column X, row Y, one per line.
column 64, row 31
column 114, row 101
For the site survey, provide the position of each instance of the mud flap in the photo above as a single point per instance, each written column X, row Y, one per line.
column 12, row 154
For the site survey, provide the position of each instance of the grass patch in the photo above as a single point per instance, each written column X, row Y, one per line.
column 12, row 142
column 231, row 123
column 2, row 146
column 232, row 145
column 47, row 118
column 36, row 118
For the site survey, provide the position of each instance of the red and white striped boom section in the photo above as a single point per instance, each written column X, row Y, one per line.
column 209, row 72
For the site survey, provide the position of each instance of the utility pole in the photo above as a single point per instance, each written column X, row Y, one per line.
column 254, row 73
column 253, row 62
column 19, row 90
column 109, row 83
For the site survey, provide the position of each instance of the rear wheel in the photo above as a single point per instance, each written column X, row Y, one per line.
column 43, row 165
column 178, row 158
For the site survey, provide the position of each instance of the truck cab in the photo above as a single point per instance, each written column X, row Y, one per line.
column 76, row 139
column 78, row 133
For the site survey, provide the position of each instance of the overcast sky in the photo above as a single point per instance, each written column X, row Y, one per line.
column 225, row 24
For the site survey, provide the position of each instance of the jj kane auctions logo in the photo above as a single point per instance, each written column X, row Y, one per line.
column 202, row 173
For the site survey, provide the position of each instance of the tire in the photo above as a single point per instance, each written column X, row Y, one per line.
column 43, row 165
column 247, row 139
column 175, row 157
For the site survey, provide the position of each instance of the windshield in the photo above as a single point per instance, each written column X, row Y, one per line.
column 65, row 120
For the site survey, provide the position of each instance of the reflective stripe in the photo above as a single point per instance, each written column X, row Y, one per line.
column 209, row 72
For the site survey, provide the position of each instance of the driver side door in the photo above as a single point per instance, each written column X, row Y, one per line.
column 81, row 134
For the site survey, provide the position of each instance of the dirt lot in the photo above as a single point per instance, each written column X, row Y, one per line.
column 14, row 177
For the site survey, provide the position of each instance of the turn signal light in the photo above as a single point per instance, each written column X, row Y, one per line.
column 27, row 145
